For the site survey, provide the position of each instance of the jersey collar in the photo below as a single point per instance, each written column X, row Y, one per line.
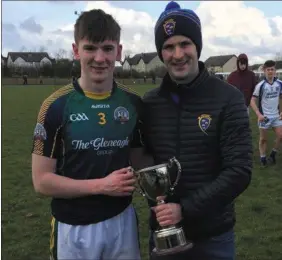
column 78, row 88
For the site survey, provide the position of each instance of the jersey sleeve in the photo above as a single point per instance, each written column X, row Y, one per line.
column 47, row 129
column 280, row 82
column 257, row 90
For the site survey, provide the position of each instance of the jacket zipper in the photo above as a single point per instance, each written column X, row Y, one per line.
column 178, row 129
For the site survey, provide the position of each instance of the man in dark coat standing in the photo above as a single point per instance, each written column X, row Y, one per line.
column 202, row 121
column 243, row 78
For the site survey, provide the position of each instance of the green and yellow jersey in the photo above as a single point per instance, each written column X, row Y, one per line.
column 90, row 136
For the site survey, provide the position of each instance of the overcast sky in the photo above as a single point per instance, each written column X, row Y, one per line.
column 228, row 27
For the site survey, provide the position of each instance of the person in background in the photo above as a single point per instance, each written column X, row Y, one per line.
column 243, row 78
column 265, row 103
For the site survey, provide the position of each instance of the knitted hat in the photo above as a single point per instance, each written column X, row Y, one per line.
column 176, row 21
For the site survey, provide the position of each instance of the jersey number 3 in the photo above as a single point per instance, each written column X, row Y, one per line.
column 102, row 119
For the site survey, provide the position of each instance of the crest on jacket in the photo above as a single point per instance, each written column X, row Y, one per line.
column 204, row 122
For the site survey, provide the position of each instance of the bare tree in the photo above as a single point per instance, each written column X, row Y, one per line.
column 127, row 54
column 61, row 54
column 70, row 55
column 42, row 49
column 278, row 56
column 23, row 49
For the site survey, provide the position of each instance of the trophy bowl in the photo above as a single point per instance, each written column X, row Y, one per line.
column 153, row 182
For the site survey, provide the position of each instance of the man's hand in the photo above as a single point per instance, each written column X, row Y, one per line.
column 280, row 116
column 119, row 183
column 261, row 117
column 168, row 214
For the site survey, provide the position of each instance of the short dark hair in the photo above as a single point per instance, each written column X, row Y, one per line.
column 96, row 26
column 269, row 63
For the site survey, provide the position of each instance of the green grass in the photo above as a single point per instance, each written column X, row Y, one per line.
column 26, row 216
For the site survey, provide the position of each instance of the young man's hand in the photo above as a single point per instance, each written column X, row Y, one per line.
column 261, row 117
column 119, row 183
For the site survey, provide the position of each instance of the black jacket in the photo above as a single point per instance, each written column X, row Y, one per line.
column 208, row 132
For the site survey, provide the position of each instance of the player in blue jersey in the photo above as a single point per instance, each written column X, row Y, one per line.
column 265, row 102
column 83, row 138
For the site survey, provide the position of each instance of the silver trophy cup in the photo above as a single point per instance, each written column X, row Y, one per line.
column 155, row 182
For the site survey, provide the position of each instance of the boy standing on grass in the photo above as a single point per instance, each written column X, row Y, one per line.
column 81, row 147
column 265, row 103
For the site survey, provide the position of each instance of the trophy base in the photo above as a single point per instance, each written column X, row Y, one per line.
column 170, row 241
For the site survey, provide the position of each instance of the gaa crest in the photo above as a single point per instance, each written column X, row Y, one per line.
column 169, row 26
column 121, row 115
column 204, row 122
column 39, row 132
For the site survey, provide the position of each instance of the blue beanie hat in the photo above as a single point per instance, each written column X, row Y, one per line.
column 176, row 21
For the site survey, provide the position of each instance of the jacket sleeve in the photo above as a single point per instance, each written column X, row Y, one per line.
column 254, row 81
column 137, row 139
column 236, row 163
column 230, row 78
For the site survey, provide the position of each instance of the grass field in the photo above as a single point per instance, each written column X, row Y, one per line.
column 26, row 216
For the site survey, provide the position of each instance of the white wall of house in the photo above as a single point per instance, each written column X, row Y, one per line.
column 154, row 63
column 126, row 65
column 45, row 61
column 140, row 67
column 230, row 65
column 20, row 62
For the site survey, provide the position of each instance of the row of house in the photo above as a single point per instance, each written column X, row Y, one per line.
column 141, row 62
column 26, row 59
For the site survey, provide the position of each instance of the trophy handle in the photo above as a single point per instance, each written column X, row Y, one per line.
column 138, row 187
column 172, row 161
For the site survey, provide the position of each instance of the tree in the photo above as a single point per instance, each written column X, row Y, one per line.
column 23, row 49
column 70, row 55
column 42, row 49
column 61, row 54
column 46, row 70
column 278, row 56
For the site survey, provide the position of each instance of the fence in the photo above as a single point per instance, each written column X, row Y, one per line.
column 36, row 81
column 65, row 81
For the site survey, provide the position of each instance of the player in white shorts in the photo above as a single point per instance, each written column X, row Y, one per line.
column 265, row 102
column 84, row 135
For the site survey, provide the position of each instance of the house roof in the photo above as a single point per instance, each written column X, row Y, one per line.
column 146, row 57
column 255, row 66
column 277, row 66
column 218, row 60
column 29, row 56
column 135, row 59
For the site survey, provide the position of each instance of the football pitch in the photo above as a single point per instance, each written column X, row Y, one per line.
column 26, row 215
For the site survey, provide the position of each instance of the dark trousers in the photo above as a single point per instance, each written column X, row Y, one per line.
column 220, row 247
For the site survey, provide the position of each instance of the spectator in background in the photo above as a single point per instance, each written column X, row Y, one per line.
column 266, row 103
column 25, row 79
column 243, row 79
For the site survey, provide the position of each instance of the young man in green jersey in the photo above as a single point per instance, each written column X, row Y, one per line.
column 81, row 149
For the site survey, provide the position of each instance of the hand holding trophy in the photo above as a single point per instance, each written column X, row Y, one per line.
column 155, row 183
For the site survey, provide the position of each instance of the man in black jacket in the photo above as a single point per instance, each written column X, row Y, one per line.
column 203, row 122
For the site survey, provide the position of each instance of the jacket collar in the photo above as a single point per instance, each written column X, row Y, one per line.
column 169, row 86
